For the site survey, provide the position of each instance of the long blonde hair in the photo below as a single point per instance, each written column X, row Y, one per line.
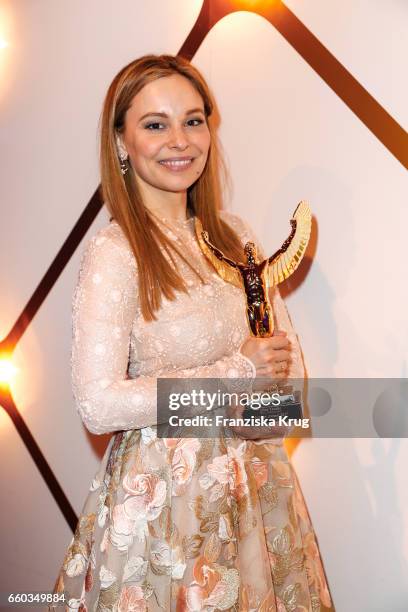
column 157, row 277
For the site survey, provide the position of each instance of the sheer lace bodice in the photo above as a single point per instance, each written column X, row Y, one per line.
column 117, row 356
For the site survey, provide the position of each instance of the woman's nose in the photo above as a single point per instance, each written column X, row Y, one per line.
column 177, row 138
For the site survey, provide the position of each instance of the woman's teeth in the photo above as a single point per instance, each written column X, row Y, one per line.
column 176, row 164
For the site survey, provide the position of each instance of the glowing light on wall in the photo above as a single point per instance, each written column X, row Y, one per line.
column 7, row 371
column 253, row 4
column 5, row 27
column 6, row 36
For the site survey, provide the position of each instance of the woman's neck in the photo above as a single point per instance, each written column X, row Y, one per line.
column 166, row 204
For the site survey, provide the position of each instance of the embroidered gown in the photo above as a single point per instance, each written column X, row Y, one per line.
column 182, row 525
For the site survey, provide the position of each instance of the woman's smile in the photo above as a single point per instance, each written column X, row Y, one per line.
column 177, row 164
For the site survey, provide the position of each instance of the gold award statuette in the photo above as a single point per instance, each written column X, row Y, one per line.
column 257, row 277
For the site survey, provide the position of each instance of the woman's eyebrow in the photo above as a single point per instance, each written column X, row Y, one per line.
column 192, row 110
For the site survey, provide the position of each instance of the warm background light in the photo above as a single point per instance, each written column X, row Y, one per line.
column 7, row 371
column 7, row 35
column 5, row 25
column 248, row 5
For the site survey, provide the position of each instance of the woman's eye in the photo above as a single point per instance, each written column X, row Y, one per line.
column 152, row 126
column 199, row 121
column 158, row 126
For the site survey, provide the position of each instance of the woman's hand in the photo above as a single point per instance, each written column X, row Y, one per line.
column 270, row 356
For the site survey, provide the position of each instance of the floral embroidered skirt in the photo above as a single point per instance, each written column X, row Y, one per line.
column 190, row 525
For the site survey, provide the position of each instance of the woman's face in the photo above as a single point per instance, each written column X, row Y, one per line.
column 166, row 135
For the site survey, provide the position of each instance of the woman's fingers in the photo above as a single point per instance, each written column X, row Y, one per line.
column 270, row 356
column 273, row 368
column 277, row 342
column 281, row 375
column 279, row 355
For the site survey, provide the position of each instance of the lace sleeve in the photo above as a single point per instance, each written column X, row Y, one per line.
column 283, row 322
column 104, row 305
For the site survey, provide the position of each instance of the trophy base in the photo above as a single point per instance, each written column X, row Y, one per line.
column 290, row 405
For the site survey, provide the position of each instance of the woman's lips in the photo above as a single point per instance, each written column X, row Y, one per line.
column 177, row 165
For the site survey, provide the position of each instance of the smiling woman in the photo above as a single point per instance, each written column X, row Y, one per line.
column 178, row 142
column 187, row 524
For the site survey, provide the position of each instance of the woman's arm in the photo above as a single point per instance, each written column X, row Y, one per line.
column 103, row 309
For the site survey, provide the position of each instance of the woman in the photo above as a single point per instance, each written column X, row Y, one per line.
column 176, row 524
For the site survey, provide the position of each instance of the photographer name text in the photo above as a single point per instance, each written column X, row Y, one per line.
column 225, row 421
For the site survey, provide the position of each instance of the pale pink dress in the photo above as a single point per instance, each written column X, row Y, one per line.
column 184, row 525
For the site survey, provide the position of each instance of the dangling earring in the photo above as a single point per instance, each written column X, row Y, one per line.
column 123, row 164
column 123, row 156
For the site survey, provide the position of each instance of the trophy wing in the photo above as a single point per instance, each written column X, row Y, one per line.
column 225, row 268
column 285, row 261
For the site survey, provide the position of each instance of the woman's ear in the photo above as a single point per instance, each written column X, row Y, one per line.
column 122, row 152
